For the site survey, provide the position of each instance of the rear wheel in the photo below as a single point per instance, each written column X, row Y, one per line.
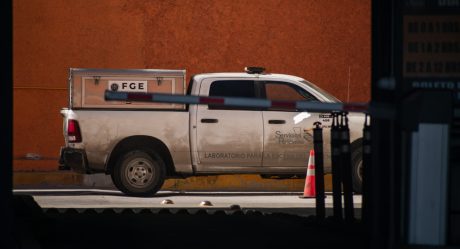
column 139, row 173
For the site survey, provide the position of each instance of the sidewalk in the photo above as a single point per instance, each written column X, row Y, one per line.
column 199, row 183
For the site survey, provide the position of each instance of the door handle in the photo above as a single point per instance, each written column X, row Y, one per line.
column 276, row 121
column 209, row 120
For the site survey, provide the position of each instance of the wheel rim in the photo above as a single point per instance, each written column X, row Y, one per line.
column 139, row 173
column 359, row 171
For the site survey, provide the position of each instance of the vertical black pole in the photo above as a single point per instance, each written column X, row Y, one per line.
column 335, row 159
column 386, row 45
column 319, row 170
column 346, row 169
column 366, row 169
column 6, row 126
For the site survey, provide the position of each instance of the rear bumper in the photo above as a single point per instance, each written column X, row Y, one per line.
column 74, row 159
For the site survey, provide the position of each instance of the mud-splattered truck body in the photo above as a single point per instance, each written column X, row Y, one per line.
column 140, row 144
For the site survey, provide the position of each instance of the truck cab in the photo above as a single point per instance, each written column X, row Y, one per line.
column 250, row 138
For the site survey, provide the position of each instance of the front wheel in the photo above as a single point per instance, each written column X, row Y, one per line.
column 138, row 173
column 357, row 168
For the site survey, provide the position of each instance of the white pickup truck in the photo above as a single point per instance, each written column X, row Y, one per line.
column 142, row 144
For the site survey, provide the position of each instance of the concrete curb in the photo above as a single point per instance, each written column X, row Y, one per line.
column 200, row 183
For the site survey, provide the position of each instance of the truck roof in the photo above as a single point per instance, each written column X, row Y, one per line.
column 200, row 77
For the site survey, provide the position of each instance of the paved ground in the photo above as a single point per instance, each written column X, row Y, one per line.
column 285, row 202
column 244, row 182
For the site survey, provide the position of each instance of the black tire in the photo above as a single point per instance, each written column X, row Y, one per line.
column 357, row 166
column 139, row 173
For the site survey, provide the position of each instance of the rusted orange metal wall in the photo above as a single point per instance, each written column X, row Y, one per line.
column 326, row 42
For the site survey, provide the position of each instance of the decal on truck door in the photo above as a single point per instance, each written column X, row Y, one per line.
column 295, row 137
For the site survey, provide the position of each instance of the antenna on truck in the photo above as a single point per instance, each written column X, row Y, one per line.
column 254, row 70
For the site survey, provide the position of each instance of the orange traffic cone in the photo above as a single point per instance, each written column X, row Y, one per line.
column 309, row 190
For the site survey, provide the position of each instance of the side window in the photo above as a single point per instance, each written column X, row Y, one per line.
column 286, row 92
column 232, row 88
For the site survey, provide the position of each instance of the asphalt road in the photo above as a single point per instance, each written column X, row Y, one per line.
column 284, row 202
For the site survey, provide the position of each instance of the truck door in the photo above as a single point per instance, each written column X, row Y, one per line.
column 288, row 135
column 228, row 138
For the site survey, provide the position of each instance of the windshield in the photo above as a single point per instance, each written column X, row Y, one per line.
column 323, row 92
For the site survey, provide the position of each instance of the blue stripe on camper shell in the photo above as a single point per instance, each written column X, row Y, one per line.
column 111, row 95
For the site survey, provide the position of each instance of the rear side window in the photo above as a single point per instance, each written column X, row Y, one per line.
column 232, row 88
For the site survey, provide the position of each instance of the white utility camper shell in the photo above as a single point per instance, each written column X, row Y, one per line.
column 87, row 87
